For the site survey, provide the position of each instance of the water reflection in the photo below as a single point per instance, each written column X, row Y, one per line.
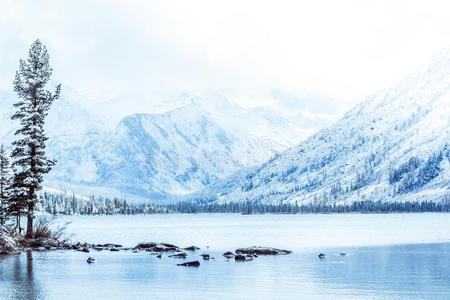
column 400, row 272
column 17, row 277
column 408, row 270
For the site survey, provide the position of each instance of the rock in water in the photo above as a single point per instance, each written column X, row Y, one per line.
column 142, row 246
column 86, row 250
column 90, row 260
column 179, row 255
column 262, row 251
column 321, row 256
column 205, row 256
column 195, row 263
column 157, row 247
column 228, row 254
column 242, row 257
column 191, row 248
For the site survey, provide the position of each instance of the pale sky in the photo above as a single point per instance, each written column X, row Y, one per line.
column 346, row 50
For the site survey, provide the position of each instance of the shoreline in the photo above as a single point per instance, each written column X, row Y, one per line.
column 44, row 214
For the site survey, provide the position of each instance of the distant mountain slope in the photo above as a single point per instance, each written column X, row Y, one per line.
column 394, row 145
column 190, row 143
column 156, row 155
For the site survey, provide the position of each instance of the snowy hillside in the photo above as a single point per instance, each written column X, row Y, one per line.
column 392, row 146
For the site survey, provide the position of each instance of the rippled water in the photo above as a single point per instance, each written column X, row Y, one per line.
column 417, row 267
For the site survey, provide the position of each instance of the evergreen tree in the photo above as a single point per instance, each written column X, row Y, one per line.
column 4, row 184
column 29, row 159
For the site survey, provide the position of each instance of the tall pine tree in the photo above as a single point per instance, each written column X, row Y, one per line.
column 29, row 160
column 4, row 184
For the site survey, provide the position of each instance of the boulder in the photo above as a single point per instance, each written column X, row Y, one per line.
column 242, row 257
column 165, row 248
column 179, row 255
column 191, row 248
column 65, row 246
column 195, row 263
column 157, row 247
column 90, row 260
column 228, row 254
column 143, row 246
column 83, row 249
column 262, row 251
column 205, row 256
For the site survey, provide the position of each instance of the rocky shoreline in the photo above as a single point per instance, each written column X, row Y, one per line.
column 173, row 251
column 10, row 246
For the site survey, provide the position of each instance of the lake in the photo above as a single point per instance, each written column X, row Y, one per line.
column 392, row 256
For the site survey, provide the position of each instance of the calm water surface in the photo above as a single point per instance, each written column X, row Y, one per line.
column 398, row 256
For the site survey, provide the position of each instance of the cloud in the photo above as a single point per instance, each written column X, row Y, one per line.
column 342, row 49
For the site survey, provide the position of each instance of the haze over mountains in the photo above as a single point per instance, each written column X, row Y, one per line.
column 176, row 146
column 393, row 145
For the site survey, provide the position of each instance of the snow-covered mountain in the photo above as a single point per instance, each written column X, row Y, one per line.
column 394, row 145
column 178, row 146
column 152, row 155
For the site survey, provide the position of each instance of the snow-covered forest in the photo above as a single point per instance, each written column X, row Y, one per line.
column 61, row 204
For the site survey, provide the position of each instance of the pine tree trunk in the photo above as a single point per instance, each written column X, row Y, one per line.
column 16, row 229
column 29, row 233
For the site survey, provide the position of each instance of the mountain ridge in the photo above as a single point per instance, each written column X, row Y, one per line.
column 401, row 130
column 193, row 143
